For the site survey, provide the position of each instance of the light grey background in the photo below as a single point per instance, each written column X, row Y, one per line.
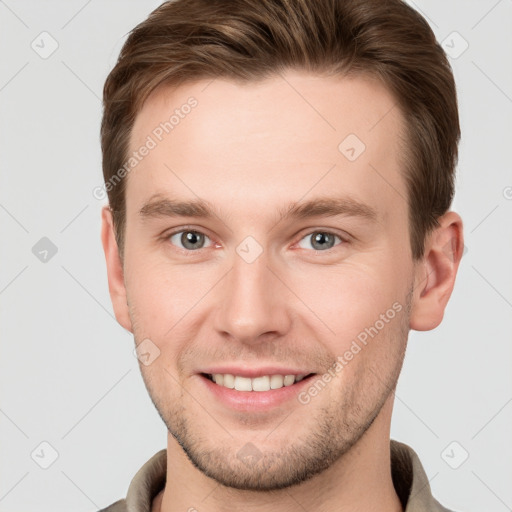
column 68, row 375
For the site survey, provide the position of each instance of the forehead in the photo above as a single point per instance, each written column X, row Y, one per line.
column 255, row 145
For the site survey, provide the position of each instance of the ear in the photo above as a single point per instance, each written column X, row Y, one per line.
column 435, row 273
column 115, row 272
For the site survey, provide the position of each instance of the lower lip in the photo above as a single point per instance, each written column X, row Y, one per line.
column 255, row 400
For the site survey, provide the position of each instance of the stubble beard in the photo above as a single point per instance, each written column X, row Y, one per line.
column 338, row 427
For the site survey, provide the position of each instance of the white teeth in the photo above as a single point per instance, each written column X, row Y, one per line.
column 276, row 381
column 261, row 383
column 289, row 380
column 228, row 381
column 243, row 384
column 264, row 383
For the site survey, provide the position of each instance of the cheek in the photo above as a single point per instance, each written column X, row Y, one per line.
column 165, row 304
column 347, row 298
column 164, row 299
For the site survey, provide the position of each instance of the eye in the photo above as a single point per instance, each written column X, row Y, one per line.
column 189, row 239
column 319, row 240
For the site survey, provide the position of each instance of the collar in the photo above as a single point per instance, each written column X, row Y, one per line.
column 409, row 479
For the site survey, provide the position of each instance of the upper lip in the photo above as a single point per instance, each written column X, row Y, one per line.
column 252, row 372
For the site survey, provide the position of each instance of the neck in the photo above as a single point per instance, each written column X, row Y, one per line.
column 359, row 480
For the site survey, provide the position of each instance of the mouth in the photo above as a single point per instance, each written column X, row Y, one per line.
column 261, row 384
column 254, row 390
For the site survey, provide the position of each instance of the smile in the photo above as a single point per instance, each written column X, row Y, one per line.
column 262, row 383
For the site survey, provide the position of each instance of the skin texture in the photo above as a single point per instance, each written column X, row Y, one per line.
column 250, row 150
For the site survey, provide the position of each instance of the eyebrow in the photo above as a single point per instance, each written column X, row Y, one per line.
column 327, row 206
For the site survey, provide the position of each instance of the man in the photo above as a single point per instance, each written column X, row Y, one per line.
column 279, row 174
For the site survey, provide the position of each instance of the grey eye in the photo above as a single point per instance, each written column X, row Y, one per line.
column 189, row 240
column 320, row 240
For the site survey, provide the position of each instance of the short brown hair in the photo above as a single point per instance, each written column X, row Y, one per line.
column 249, row 40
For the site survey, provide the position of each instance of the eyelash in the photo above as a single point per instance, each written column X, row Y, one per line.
column 343, row 240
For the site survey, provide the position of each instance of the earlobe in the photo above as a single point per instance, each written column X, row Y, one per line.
column 115, row 271
column 435, row 274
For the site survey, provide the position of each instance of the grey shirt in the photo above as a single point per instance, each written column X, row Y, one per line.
column 409, row 479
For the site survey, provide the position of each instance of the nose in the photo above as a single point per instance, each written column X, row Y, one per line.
column 253, row 303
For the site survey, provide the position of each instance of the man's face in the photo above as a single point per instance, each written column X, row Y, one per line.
column 247, row 292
